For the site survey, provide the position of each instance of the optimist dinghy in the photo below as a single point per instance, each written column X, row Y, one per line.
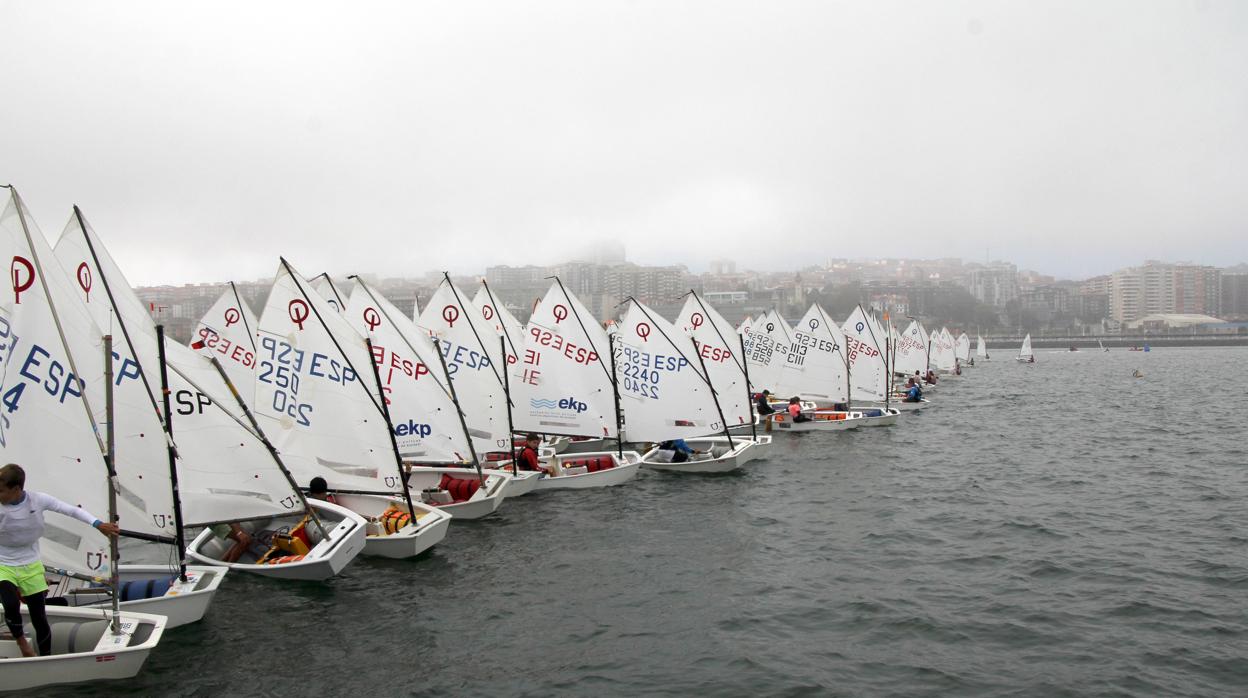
column 713, row 454
column 55, row 436
column 84, row 648
column 666, row 394
column 291, row 546
column 565, row 353
column 584, row 470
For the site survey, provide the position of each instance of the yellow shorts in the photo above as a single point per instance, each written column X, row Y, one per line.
column 29, row 579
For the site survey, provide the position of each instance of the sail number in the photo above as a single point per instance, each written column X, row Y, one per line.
column 37, row 368
column 282, row 370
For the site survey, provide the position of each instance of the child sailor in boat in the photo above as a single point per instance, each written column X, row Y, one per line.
column 319, row 489
column 681, row 450
column 795, row 410
column 21, row 571
column 913, row 392
column 527, row 459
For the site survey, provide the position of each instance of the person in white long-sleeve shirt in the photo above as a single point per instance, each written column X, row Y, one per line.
column 22, row 576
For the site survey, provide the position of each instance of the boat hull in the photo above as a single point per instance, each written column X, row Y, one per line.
column 624, row 471
column 109, row 657
column 484, row 501
column 411, row 540
column 723, row 458
column 820, row 421
column 182, row 603
column 347, row 531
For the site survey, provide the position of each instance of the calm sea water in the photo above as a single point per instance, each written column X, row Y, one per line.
column 1060, row 529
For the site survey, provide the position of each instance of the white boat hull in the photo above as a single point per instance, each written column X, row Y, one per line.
column 623, row 471
column 819, row 421
column 520, row 483
column 719, row 457
column 77, row 656
column 427, row 531
column 885, row 417
column 182, row 603
column 762, row 445
column 483, row 502
column 327, row 558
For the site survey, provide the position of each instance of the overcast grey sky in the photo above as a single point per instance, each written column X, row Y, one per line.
column 202, row 140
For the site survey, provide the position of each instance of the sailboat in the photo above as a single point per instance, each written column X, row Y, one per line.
column 868, row 369
column 50, row 430
column 565, row 383
column 1101, row 344
column 962, row 350
column 981, row 349
column 722, row 349
column 665, row 394
column 147, row 467
column 1025, row 355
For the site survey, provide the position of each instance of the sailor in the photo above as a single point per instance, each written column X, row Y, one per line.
column 915, row 393
column 681, row 451
column 319, row 489
column 21, row 571
column 528, row 455
column 795, row 410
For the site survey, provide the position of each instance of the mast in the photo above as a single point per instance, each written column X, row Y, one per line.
column 264, row 439
column 394, row 444
column 476, row 462
column 745, row 370
column 179, row 536
column 114, row 577
column 714, row 396
column 449, row 387
column 251, row 336
column 511, row 427
column 615, row 390
column 170, row 446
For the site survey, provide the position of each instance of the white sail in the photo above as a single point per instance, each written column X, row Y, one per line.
column 963, row 347
column 942, row 356
column 466, row 340
column 720, row 348
column 563, row 382
column 505, row 325
column 332, row 291
column 663, row 392
column 316, row 393
column 911, row 351
column 868, row 376
column 981, row 350
column 815, row 364
column 227, row 331
column 426, row 424
column 43, row 424
column 142, row 450
column 767, row 346
column 224, row 470
column 1024, row 351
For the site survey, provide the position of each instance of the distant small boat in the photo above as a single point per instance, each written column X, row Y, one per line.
column 1025, row 355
